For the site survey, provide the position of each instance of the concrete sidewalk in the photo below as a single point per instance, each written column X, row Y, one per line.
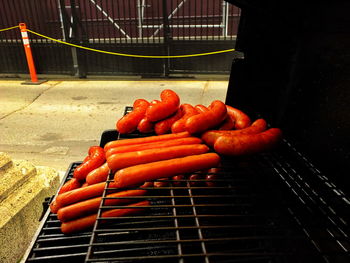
column 55, row 123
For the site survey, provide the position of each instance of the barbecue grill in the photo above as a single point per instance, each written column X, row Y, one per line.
column 271, row 207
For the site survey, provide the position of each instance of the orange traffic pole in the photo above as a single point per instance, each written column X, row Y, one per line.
column 28, row 52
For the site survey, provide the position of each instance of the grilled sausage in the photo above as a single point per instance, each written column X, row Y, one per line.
column 212, row 176
column 149, row 139
column 241, row 119
column 123, row 160
column 169, row 104
column 227, row 124
column 201, row 108
column 97, row 158
column 145, row 125
column 180, row 125
column 164, row 126
column 91, row 206
column 53, row 207
column 196, row 179
column 87, row 222
column 81, row 194
column 129, row 122
column 178, row 180
column 98, row 175
column 201, row 122
column 73, row 183
column 153, row 145
column 210, row 137
column 137, row 174
column 162, row 182
column 246, row 144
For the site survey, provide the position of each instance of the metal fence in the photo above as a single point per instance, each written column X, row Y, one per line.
column 146, row 27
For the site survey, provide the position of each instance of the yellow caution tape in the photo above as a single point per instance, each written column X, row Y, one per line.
column 131, row 55
column 9, row 28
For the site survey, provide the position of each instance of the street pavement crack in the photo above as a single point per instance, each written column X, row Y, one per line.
column 205, row 89
column 30, row 103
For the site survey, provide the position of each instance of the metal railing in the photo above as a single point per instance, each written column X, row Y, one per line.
column 146, row 27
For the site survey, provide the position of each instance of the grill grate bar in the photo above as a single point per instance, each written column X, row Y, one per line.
column 224, row 239
column 185, row 188
column 178, row 196
column 52, row 257
column 60, row 237
column 40, row 249
column 192, row 216
column 200, row 234
column 258, row 255
column 181, row 228
column 99, row 212
column 127, row 250
column 307, row 191
column 297, row 189
column 176, row 224
column 255, row 227
column 176, row 206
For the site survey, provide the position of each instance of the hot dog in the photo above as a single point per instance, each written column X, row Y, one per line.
column 180, row 125
column 90, row 206
column 87, row 222
column 149, row 139
column 73, row 183
column 201, row 108
column 206, row 120
column 196, row 179
column 98, row 175
column 145, row 125
column 163, row 182
column 86, row 159
column 129, row 122
column 241, row 119
column 169, row 104
column 81, row 194
column 209, row 137
column 212, row 176
column 123, row 160
column 153, row 145
column 164, row 126
column 147, row 184
column 245, row 144
column 227, row 124
column 53, row 207
column 138, row 174
column 178, row 180
column 97, row 158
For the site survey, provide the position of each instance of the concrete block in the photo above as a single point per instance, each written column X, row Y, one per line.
column 13, row 175
column 5, row 162
column 20, row 211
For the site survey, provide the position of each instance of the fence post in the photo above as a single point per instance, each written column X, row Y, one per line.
column 167, row 38
column 29, row 56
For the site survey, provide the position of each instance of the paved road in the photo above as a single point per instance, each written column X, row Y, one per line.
column 54, row 124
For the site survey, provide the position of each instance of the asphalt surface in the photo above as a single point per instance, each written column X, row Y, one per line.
column 54, row 124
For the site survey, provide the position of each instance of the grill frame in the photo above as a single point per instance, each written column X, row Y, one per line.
column 310, row 192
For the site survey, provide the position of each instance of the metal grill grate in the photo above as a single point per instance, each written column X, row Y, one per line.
column 273, row 207
column 249, row 216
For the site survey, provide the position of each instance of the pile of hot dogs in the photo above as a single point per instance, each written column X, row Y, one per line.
column 188, row 144
column 133, row 163
column 225, row 129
